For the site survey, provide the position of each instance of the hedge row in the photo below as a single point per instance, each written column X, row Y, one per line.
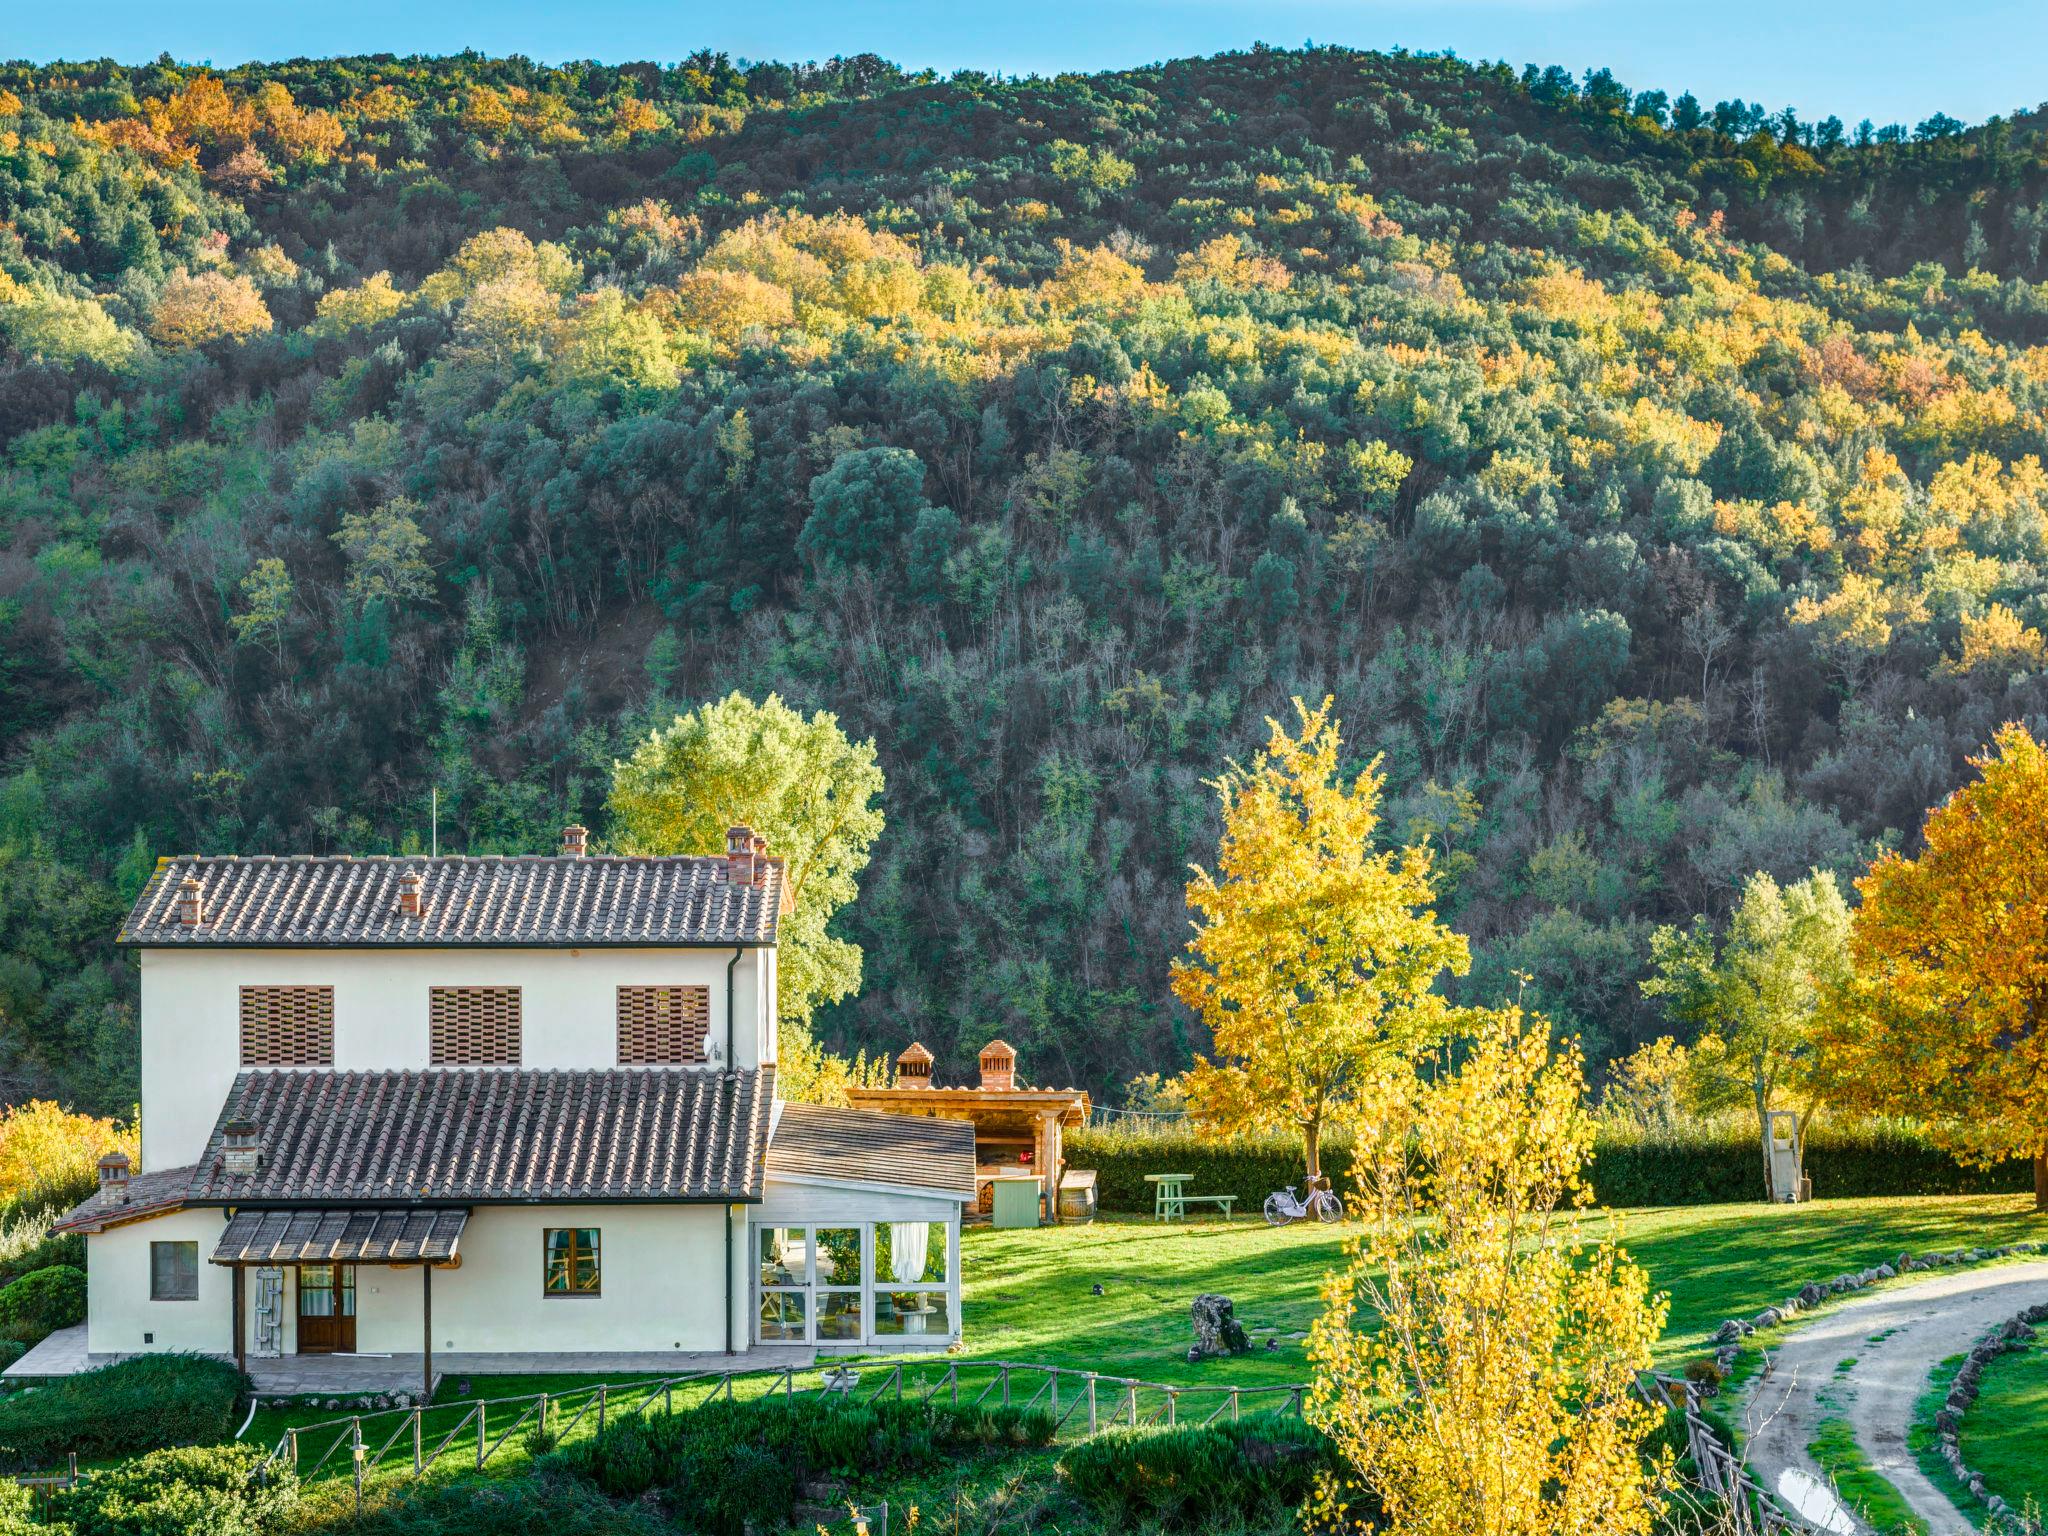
column 1699, row 1166
column 119, row 1410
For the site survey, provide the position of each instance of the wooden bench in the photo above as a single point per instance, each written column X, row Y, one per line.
column 1225, row 1202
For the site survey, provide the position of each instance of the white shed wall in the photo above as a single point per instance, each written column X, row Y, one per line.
column 119, row 1312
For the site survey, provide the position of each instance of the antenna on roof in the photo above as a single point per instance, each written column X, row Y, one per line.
column 435, row 823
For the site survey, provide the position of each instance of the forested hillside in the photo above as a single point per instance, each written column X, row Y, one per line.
column 1658, row 487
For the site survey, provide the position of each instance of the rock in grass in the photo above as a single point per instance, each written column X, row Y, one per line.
column 1217, row 1330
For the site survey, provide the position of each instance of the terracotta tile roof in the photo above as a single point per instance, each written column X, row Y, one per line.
column 815, row 1142
column 340, row 1237
column 630, row 1133
column 143, row 1194
column 266, row 900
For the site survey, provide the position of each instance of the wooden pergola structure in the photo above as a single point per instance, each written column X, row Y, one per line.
column 1014, row 1127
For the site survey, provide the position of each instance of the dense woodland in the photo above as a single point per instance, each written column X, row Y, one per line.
column 1659, row 487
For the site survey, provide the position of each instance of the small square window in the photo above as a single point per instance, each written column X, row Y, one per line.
column 173, row 1271
column 570, row 1267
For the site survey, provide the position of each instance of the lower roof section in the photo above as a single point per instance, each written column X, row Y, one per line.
column 341, row 1237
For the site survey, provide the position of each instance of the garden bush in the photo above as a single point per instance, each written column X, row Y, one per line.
column 42, row 1301
column 1180, row 1477
column 134, row 1405
column 1687, row 1165
column 723, row 1465
column 473, row 1506
column 189, row 1491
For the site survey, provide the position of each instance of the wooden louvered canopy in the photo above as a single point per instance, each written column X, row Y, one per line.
column 342, row 1237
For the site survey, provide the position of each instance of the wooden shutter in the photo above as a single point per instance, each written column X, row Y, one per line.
column 663, row 1026
column 287, row 1026
column 473, row 1026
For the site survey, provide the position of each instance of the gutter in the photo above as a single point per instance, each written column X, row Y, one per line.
column 730, row 967
column 737, row 951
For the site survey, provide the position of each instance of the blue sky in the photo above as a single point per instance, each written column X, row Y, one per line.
column 1884, row 59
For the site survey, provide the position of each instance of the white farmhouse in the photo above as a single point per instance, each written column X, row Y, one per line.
column 518, row 1108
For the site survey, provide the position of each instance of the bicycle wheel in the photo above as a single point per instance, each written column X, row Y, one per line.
column 1276, row 1213
column 1328, row 1206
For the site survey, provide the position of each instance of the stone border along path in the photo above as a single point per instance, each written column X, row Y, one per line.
column 1867, row 1360
column 2005, row 1339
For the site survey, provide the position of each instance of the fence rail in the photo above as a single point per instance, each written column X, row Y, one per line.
column 1722, row 1473
column 1082, row 1403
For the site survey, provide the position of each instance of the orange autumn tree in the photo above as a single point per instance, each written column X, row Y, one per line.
column 1315, row 954
column 1947, row 1018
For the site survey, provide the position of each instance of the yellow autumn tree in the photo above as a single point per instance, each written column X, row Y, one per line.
column 1476, row 1360
column 1947, row 1017
column 47, row 1153
column 1314, row 955
column 199, row 307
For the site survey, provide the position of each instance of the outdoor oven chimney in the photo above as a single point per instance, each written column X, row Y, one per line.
column 914, row 1067
column 191, row 903
column 998, row 1067
column 575, row 842
column 409, row 893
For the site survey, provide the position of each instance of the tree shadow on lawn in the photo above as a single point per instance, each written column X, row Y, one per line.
column 1034, row 1300
column 1719, row 1262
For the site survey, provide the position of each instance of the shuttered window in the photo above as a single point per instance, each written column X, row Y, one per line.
column 473, row 1026
column 287, row 1026
column 663, row 1026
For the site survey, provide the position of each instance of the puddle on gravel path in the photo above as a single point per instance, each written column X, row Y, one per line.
column 1815, row 1503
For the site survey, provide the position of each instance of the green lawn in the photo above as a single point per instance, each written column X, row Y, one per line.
column 1028, row 1295
column 2004, row 1431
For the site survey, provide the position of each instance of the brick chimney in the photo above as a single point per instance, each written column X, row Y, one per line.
column 114, row 1169
column 191, row 903
column 914, row 1067
column 998, row 1067
column 409, row 893
column 240, row 1151
column 740, row 863
column 575, row 841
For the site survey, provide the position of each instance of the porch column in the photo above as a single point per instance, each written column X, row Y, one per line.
column 427, row 1334
column 1049, row 1161
column 241, row 1322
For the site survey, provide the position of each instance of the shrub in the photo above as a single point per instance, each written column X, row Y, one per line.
column 1180, row 1477
column 42, row 1301
column 183, row 1492
column 474, row 1506
column 131, row 1406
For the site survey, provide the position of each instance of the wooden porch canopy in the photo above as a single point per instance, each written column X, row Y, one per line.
column 267, row 1237
column 431, row 1238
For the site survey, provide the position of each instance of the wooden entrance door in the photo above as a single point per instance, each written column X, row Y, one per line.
column 327, row 1309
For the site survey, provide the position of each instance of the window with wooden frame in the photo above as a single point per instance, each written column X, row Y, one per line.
column 287, row 1026
column 569, row 1264
column 473, row 1026
column 173, row 1271
column 663, row 1026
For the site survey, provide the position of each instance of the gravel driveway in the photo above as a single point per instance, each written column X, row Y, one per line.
column 1893, row 1338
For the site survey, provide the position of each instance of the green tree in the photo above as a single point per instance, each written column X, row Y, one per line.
column 862, row 505
column 386, row 554
column 798, row 782
column 266, row 601
column 1759, row 996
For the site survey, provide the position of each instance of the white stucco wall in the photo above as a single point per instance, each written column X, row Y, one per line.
column 119, row 1313
column 191, row 1001
column 660, row 1274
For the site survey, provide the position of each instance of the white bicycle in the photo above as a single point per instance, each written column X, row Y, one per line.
column 1322, row 1204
